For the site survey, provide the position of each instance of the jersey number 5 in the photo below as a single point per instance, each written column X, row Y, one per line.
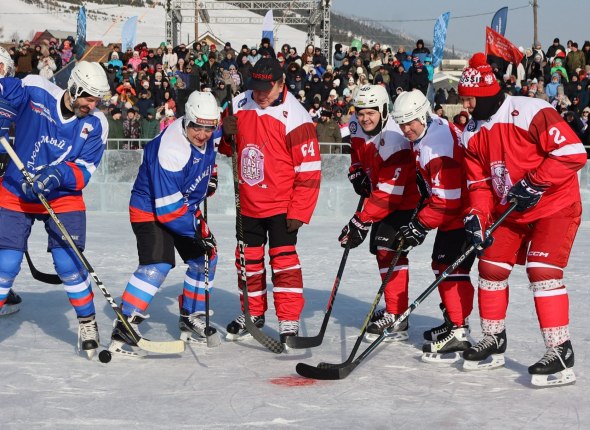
column 308, row 148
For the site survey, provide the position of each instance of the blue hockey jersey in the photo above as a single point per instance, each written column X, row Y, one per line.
column 43, row 138
column 173, row 179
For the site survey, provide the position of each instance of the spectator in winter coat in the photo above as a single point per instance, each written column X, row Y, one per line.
column 461, row 120
column 399, row 79
column 149, row 125
column 452, row 96
column 170, row 58
column 245, row 69
column 327, row 130
column 551, row 88
column 419, row 77
column 253, row 56
column 574, row 60
column 552, row 50
column 131, row 128
column 228, row 61
column 115, row 124
column 46, row 65
column 338, row 56
column 144, row 103
column 420, row 51
column 440, row 98
column 135, row 61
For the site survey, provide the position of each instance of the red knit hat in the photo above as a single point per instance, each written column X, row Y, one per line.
column 477, row 79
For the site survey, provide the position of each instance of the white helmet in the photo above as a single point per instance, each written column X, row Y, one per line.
column 410, row 105
column 372, row 96
column 7, row 61
column 89, row 78
column 201, row 109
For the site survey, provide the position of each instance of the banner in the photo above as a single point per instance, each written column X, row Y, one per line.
column 128, row 34
column 440, row 38
column 499, row 21
column 267, row 27
column 498, row 45
column 80, row 34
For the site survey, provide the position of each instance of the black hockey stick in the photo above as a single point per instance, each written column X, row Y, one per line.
column 165, row 347
column 211, row 334
column 265, row 340
column 298, row 342
column 326, row 371
column 47, row 278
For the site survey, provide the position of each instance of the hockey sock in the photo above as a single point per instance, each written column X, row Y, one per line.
column 255, row 279
column 10, row 261
column 553, row 312
column 456, row 293
column 396, row 290
column 287, row 282
column 76, row 281
column 193, row 292
column 142, row 287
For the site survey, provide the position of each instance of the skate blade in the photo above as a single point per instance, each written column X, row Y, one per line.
column 238, row 337
column 123, row 350
column 9, row 310
column 88, row 353
column 397, row 336
column 188, row 337
column 492, row 362
column 438, row 358
column 565, row 377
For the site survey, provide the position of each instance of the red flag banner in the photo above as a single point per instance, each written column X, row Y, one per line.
column 498, row 45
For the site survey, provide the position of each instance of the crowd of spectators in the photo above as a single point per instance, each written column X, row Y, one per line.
column 151, row 85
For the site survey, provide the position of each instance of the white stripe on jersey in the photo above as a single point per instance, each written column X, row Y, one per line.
column 397, row 190
column 572, row 149
column 453, row 194
column 309, row 166
column 167, row 200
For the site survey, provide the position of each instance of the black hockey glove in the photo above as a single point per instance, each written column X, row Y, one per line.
column 414, row 233
column 203, row 236
column 360, row 182
column 354, row 233
column 525, row 194
column 4, row 159
column 474, row 229
column 48, row 180
column 212, row 187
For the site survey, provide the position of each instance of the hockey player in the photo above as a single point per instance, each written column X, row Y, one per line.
column 60, row 137
column 279, row 174
column 519, row 149
column 12, row 300
column 383, row 170
column 172, row 182
column 439, row 159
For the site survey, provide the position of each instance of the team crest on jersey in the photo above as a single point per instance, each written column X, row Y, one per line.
column 471, row 125
column 252, row 165
column 515, row 113
column 41, row 109
column 86, row 129
column 352, row 127
column 242, row 103
column 501, row 181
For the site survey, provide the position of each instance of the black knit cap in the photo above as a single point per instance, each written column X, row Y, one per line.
column 265, row 73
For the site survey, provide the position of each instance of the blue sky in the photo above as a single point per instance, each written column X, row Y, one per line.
column 566, row 19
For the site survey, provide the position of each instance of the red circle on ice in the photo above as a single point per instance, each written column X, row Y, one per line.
column 292, row 381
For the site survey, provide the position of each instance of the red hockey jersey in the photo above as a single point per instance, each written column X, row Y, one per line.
column 278, row 158
column 388, row 161
column 524, row 136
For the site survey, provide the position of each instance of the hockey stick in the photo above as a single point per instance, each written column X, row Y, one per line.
column 298, row 342
column 47, row 278
column 211, row 334
column 326, row 371
column 265, row 340
column 164, row 347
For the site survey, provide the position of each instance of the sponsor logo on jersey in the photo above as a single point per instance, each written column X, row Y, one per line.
column 196, row 160
column 501, row 181
column 538, row 254
column 515, row 113
column 252, row 165
column 86, row 129
column 39, row 108
column 242, row 103
column 352, row 127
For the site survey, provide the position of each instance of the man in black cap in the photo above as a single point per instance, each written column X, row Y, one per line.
column 552, row 50
column 279, row 175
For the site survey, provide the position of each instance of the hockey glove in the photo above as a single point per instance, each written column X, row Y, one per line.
column 360, row 182
column 354, row 233
column 525, row 194
column 474, row 229
column 203, row 236
column 46, row 181
column 230, row 125
column 414, row 233
column 212, row 187
column 4, row 159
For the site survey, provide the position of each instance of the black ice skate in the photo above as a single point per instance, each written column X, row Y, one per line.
column 377, row 315
column 288, row 328
column 478, row 356
column 12, row 304
column 555, row 368
column 122, row 343
column 442, row 330
column 386, row 322
column 447, row 349
column 88, row 339
column 193, row 328
column 237, row 328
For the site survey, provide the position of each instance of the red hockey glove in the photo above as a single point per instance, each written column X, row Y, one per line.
column 203, row 236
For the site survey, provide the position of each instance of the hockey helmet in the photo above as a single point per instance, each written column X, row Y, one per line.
column 201, row 110
column 7, row 61
column 411, row 105
column 89, row 78
column 372, row 96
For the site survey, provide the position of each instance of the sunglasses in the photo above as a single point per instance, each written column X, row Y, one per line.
column 206, row 128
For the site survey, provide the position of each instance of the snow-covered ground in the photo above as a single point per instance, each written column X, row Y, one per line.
column 45, row 384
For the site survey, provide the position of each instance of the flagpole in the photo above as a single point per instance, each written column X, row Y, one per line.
column 535, row 7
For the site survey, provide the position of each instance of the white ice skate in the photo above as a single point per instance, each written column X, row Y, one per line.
column 88, row 338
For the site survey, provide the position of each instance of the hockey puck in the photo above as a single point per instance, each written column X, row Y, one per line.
column 105, row 356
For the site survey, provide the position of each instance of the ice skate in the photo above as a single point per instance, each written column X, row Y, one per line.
column 88, row 338
column 386, row 322
column 448, row 348
column 236, row 330
column 488, row 353
column 192, row 327
column 377, row 315
column 442, row 330
column 122, row 344
column 288, row 328
column 555, row 368
column 12, row 304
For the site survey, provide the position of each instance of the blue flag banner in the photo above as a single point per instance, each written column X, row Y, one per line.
column 267, row 27
column 128, row 34
column 499, row 21
column 440, row 38
column 81, row 34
